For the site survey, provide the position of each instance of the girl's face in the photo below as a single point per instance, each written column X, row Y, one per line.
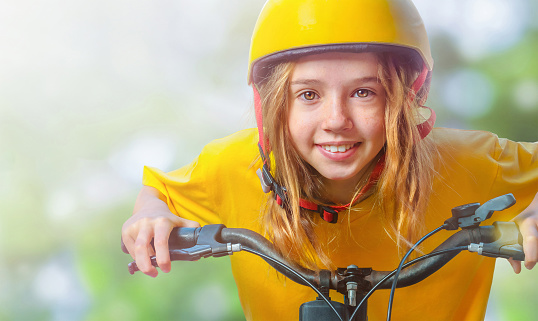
column 336, row 115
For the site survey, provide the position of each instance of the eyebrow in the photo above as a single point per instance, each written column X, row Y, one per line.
column 313, row 81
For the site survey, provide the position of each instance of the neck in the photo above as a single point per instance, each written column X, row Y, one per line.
column 342, row 192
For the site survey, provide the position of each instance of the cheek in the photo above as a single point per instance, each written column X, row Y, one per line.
column 378, row 130
column 294, row 128
column 299, row 127
column 373, row 127
column 299, row 136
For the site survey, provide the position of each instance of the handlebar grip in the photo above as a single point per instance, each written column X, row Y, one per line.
column 507, row 244
column 183, row 237
column 180, row 238
column 513, row 251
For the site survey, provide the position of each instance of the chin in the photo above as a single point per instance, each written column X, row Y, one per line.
column 339, row 177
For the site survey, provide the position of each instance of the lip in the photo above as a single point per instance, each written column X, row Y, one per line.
column 340, row 156
column 339, row 143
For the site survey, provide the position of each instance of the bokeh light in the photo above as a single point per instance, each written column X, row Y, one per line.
column 468, row 93
column 525, row 95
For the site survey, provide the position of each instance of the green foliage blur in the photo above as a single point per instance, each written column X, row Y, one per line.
column 92, row 91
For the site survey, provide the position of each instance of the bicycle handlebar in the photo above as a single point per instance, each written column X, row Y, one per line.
column 502, row 239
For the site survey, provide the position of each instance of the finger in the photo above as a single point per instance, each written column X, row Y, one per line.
column 529, row 231
column 128, row 238
column 128, row 243
column 516, row 265
column 162, row 234
column 530, row 247
column 186, row 223
column 142, row 251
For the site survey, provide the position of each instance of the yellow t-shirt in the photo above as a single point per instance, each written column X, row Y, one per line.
column 221, row 186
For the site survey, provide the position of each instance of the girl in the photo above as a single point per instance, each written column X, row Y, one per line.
column 351, row 168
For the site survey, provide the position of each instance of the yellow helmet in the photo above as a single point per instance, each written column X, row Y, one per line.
column 290, row 28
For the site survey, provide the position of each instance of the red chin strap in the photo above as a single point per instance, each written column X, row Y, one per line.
column 426, row 127
column 329, row 213
column 259, row 120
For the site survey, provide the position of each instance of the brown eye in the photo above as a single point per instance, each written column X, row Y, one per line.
column 309, row 95
column 362, row 93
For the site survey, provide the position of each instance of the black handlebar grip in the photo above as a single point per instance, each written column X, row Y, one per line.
column 508, row 242
column 183, row 237
column 513, row 251
column 180, row 238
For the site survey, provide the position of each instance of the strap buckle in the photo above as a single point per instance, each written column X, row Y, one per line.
column 328, row 214
column 269, row 184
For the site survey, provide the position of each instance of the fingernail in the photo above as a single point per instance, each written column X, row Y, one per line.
column 530, row 265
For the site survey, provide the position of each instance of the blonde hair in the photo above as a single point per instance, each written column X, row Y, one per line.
column 402, row 191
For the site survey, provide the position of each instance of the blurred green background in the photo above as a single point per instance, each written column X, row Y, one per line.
column 90, row 91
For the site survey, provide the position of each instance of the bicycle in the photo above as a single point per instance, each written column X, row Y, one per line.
column 501, row 239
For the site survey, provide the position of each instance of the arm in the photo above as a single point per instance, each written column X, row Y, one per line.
column 151, row 219
column 528, row 225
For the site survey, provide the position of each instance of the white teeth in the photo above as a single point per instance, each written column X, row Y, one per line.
column 335, row 149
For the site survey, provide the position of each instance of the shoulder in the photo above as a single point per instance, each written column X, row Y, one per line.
column 479, row 143
column 237, row 150
column 449, row 137
column 229, row 167
column 467, row 159
column 477, row 166
column 467, row 144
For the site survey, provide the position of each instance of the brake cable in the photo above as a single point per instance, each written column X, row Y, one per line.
column 289, row 269
column 402, row 261
column 418, row 259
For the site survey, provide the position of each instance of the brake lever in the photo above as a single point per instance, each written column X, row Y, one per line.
column 471, row 215
column 191, row 254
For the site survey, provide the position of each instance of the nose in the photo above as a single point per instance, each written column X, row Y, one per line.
column 336, row 117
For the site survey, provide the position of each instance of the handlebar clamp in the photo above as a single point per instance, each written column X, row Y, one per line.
column 353, row 274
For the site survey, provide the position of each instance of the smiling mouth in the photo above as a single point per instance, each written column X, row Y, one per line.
column 339, row 148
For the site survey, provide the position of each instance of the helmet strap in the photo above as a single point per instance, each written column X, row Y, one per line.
column 418, row 83
column 426, row 127
column 259, row 121
column 327, row 213
column 330, row 213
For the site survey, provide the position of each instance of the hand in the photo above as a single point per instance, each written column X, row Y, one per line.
column 528, row 226
column 151, row 220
